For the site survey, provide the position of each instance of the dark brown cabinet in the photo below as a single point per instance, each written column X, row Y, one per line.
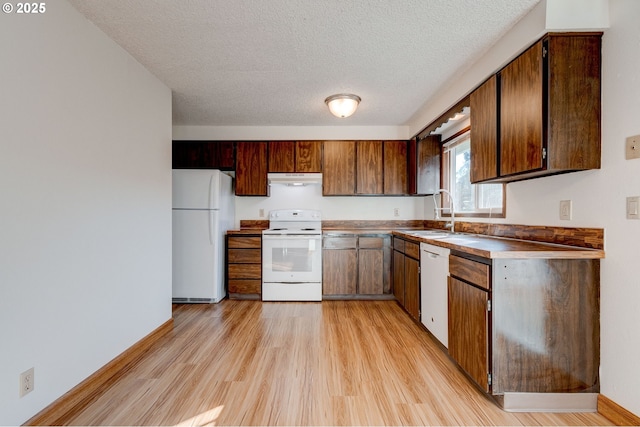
column 203, row 155
column 251, row 169
column 339, row 168
column 406, row 275
column 295, row 156
column 395, row 167
column 484, row 131
column 548, row 112
column 340, row 265
column 356, row 265
column 369, row 178
column 525, row 325
column 469, row 321
column 424, row 157
column 244, row 266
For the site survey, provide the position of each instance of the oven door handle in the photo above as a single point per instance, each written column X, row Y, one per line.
column 289, row 237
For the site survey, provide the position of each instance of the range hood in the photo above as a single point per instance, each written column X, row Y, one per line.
column 295, row 179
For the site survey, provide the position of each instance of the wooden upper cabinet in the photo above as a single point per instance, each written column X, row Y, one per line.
column 395, row 167
column 308, row 156
column 251, row 169
column 424, row 165
column 339, row 168
column 369, row 167
column 282, row 156
column 484, row 131
column 521, row 113
column 548, row 112
column 295, row 156
column 203, row 155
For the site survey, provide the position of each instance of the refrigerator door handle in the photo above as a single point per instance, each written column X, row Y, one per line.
column 211, row 193
column 211, row 228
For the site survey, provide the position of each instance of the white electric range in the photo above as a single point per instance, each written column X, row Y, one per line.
column 292, row 256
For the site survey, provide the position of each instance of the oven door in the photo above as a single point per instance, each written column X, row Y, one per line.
column 291, row 258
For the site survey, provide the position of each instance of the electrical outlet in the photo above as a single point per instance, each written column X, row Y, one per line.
column 261, row 213
column 27, row 382
column 396, row 211
column 632, row 147
column 565, row 209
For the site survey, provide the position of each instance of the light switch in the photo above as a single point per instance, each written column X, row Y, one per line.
column 565, row 210
column 633, row 207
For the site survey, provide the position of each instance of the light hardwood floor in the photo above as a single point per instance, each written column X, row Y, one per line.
column 329, row 363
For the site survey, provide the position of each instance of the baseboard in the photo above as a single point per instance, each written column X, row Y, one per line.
column 616, row 413
column 81, row 395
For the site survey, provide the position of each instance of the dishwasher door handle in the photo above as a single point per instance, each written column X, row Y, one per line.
column 430, row 254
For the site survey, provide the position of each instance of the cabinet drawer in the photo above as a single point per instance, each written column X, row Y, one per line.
column 340, row 242
column 245, row 256
column 245, row 242
column 398, row 244
column 371, row 243
column 245, row 271
column 470, row 271
column 245, row 286
column 412, row 249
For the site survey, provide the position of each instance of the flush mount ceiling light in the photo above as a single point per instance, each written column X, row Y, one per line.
column 343, row 104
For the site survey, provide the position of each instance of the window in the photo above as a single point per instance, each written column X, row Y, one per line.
column 483, row 200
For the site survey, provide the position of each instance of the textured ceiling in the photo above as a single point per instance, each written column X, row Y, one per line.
column 273, row 62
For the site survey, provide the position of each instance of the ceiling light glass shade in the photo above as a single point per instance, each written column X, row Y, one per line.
column 342, row 105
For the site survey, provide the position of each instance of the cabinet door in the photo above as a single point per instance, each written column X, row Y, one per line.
column 251, row 169
column 309, row 156
column 282, row 156
column 484, row 131
column 521, row 118
column 339, row 271
column 424, row 165
column 469, row 330
column 398, row 276
column 203, row 155
column 338, row 163
column 412, row 287
column 371, row 271
column 369, row 167
column 395, row 167
column 574, row 102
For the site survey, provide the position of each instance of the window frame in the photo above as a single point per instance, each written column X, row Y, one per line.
column 445, row 181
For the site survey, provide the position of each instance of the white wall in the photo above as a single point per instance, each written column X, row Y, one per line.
column 85, row 204
column 333, row 208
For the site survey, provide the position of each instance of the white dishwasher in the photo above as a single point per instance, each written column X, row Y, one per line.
column 434, row 271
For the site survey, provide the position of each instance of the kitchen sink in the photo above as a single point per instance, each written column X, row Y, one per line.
column 433, row 234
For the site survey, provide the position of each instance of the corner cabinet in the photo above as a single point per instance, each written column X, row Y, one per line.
column 540, row 114
column 424, row 158
column 519, row 326
column 251, row 169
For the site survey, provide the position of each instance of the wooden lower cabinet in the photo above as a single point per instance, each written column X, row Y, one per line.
column 398, row 276
column 520, row 326
column 406, row 275
column 469, row 329
column 356, row 266
column 244, row 266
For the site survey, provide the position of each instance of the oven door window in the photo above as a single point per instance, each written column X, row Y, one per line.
column 292, row 259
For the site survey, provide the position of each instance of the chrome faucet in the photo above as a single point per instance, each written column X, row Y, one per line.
column 451, row 224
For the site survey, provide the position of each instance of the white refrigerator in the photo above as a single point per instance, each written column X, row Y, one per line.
column 203, row 210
